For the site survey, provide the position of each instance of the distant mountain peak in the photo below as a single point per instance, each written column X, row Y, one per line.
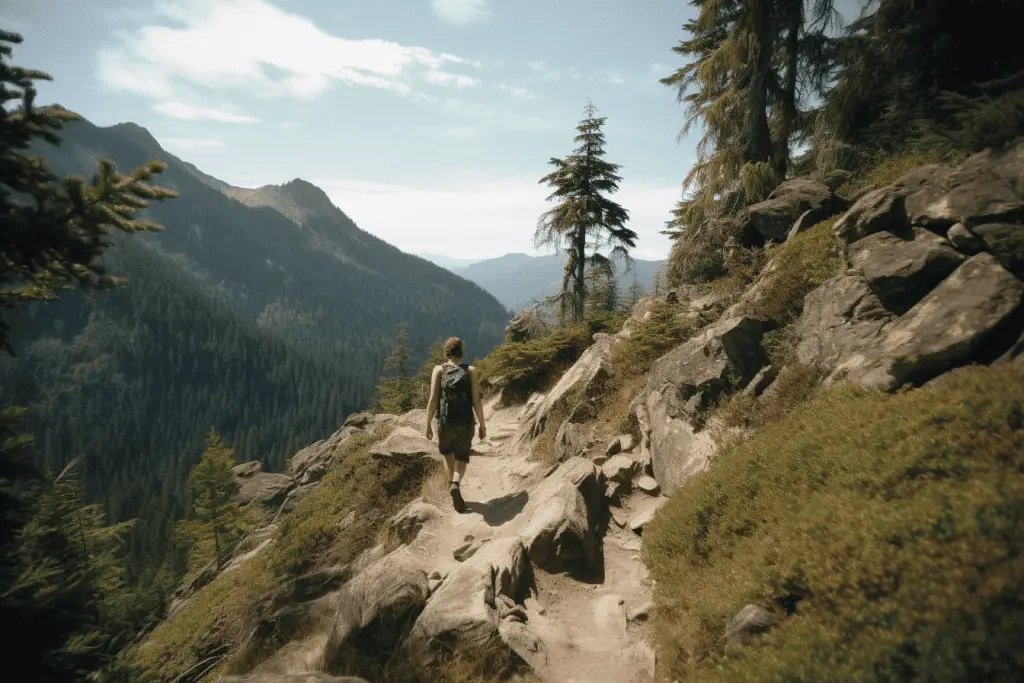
column 297, row 199
column 137, row 132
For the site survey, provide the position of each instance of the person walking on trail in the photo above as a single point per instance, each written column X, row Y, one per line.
column 454, row 398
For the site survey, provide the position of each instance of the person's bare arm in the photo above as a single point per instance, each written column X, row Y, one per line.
column 435, row 393
column 478, row 405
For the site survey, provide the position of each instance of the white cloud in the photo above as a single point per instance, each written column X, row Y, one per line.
column 515, row 91
column 181, row 110
column 258, row 48
column 455, row 211
column 191, row 143
column 460, row 12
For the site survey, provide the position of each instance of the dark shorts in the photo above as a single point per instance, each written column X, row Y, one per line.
column 455, row 441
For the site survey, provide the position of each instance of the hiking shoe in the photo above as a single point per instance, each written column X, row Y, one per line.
column 457, row 502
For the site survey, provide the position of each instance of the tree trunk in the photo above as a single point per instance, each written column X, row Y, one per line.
column 216, row 539
column 759, row 144
column 581, row 285
column 794, row 21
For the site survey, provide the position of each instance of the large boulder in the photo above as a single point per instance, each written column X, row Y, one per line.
column 313, row 461
column 268, row 488
column 584, row 379
column 526, row 325
column 775, row 217
column 358, row 420
column 405, row 443
column 465, row 609
column 980, row 302
column 902, row 267
column 557, row 525
column 412, row 518
column 377, row 605
column 1006, row 242
column 683, row 384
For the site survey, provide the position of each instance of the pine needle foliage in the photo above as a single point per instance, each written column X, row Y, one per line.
column 53, row 232
column 585, row 219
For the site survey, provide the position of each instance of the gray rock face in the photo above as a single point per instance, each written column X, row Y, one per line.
column 774, row 217
column 572, row 440
column 406, row 443
column 413, row 517
column 762, row 380
column 358, row 420
column 987, row 188
column 965, row 241
column 878, row 210
column 464, row 609
column 620, row 468
column 314, row 461
column 942, row 331
column 375, row 605
column 901, row 267
column 685, row 382
column 584, row 379
column 525, row 326
column 268, row 488
column 748, row 624
column 557, row 524
column 1006, row 242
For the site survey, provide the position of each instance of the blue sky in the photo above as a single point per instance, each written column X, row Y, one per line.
column 428, row 121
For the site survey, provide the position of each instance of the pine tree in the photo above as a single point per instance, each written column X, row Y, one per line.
column 657, row 283
column 53, row 233
column 585, row 219
column 398, row 391
column 218, row 519
column 435, row 357
column 634, row 293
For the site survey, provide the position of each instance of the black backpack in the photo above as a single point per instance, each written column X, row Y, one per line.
column 456, row 407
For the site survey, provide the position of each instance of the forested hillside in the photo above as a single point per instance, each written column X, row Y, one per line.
column 265, row 314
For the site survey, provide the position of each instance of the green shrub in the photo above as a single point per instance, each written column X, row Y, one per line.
column 529, row 366
column 889, row 528
column 880, row 169
column 665, row 328
column 795, row 268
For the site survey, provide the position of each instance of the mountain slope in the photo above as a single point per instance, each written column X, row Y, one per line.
column 517, row 280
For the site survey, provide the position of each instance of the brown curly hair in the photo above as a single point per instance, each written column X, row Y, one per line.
column 453, row 348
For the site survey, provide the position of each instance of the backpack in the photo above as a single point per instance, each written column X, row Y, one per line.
column 456, row 407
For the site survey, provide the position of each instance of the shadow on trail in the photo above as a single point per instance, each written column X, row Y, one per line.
column 500, row 510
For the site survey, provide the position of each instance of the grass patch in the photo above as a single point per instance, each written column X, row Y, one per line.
column 886, row 169
column 522, row 368
column 665, row 328
column 889, row 528
column 795, row 384
column 796, row 268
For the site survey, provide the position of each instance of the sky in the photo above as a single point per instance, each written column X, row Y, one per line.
column 429, row 122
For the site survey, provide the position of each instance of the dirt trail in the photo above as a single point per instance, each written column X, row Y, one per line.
column 584, row 627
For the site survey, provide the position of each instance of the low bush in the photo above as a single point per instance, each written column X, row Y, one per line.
column 885, row 530
column 795, row 268
column 666, row 327
column 529, row 366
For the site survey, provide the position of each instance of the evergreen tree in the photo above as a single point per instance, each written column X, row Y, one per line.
column 53, row 233
column 398, row 391
column 657, row 283
column 584, row 218
column 634, row 293
column 602, row 290
column 435, row 357
column 218, row 519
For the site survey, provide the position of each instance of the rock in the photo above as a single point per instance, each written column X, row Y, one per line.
column 433, row 585
column 557, row 525
column 408, row 522
column 290, row 678
column 620, row 444
column 313, row 461
column 572, row 440
column 619, row 517
column 840, row 319
column 902, row 267
column 645, row 658
column 774, row 217
column 750, row 622
column 944, row 330
column 292, row 500
column 599, row 460
column 965, row 241
column 648, row 485
column 268, row 488
column 610, row 614
column 375, row 605
column 641, row 612
column 806, row 221
column 986, row 188
column 406, row 442
column 646, row 512
column 620, row 469
column 526, row 325
column 584, row 379
column 469, row 548
column 684, row 383
column 463, row 611
column 358, row 420
column 764, row 377
column 612, row 489
column 416, row 420
column 877, row 210
column 247, row 469
column 1006, row 242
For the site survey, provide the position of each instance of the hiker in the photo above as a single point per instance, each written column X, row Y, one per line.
column 454, row 396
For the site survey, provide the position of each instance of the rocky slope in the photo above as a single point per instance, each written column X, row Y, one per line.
column 547, row 561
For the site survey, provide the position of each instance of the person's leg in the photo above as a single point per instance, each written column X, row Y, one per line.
column 460, row 471
column 460, row 452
